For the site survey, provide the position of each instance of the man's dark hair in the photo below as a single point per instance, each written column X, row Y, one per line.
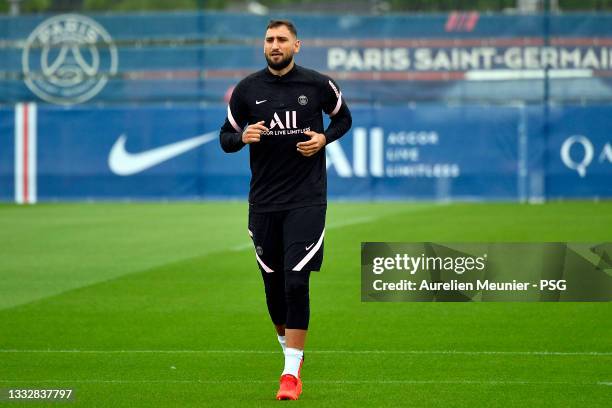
column 286, row 23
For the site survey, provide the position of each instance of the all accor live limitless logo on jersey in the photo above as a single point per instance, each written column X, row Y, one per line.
column 286, row 126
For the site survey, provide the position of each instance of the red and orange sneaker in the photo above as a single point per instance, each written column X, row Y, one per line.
column 290, row 388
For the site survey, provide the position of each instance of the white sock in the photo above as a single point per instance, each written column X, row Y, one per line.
column 281, row 340
column 293, row 359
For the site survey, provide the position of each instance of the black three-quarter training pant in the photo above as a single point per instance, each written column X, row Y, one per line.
column 288, row 246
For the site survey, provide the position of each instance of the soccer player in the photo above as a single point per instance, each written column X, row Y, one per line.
column 278, row 112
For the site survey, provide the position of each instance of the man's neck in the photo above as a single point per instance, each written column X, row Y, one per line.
column 283, row 71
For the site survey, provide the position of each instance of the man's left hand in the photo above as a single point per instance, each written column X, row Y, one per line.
column 312, row 146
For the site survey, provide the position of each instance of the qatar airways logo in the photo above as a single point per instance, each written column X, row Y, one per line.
column 578, row 152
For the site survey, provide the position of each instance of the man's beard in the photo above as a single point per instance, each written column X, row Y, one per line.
column 282, row 64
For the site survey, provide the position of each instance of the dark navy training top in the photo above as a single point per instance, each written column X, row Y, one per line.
column 281, row 178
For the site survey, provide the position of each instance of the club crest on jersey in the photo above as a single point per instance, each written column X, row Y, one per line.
column 302, row 100
column 289, row 123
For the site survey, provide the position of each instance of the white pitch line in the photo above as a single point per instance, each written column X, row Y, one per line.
column 353, row 221
column 242, row 247
column 349, row 222
column 339, row 382
column 356, row 352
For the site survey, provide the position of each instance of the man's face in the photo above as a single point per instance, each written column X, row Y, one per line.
column 279, row 46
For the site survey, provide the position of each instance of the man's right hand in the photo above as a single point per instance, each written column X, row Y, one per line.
column 252, row 134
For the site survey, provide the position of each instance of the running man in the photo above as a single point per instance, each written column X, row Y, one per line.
column 278, row 112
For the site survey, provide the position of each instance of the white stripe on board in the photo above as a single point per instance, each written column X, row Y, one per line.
column 360, row 158
column 25, row 153
column 19, row 153
column 32, row 157
column 521, row 74
column 377, row 152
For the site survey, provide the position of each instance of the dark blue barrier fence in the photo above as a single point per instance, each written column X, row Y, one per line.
column 195, row 57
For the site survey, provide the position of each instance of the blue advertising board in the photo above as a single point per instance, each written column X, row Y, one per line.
column 475, row 152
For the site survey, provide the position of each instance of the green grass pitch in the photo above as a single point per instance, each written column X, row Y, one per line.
column 143, row 305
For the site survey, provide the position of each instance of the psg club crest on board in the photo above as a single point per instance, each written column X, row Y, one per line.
column 68, row 59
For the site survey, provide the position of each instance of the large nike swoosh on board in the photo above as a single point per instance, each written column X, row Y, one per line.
column 123, row 163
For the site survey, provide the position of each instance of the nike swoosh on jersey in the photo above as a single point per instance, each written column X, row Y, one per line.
column 258, row 102
column 309, row 246
column 124, row 163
